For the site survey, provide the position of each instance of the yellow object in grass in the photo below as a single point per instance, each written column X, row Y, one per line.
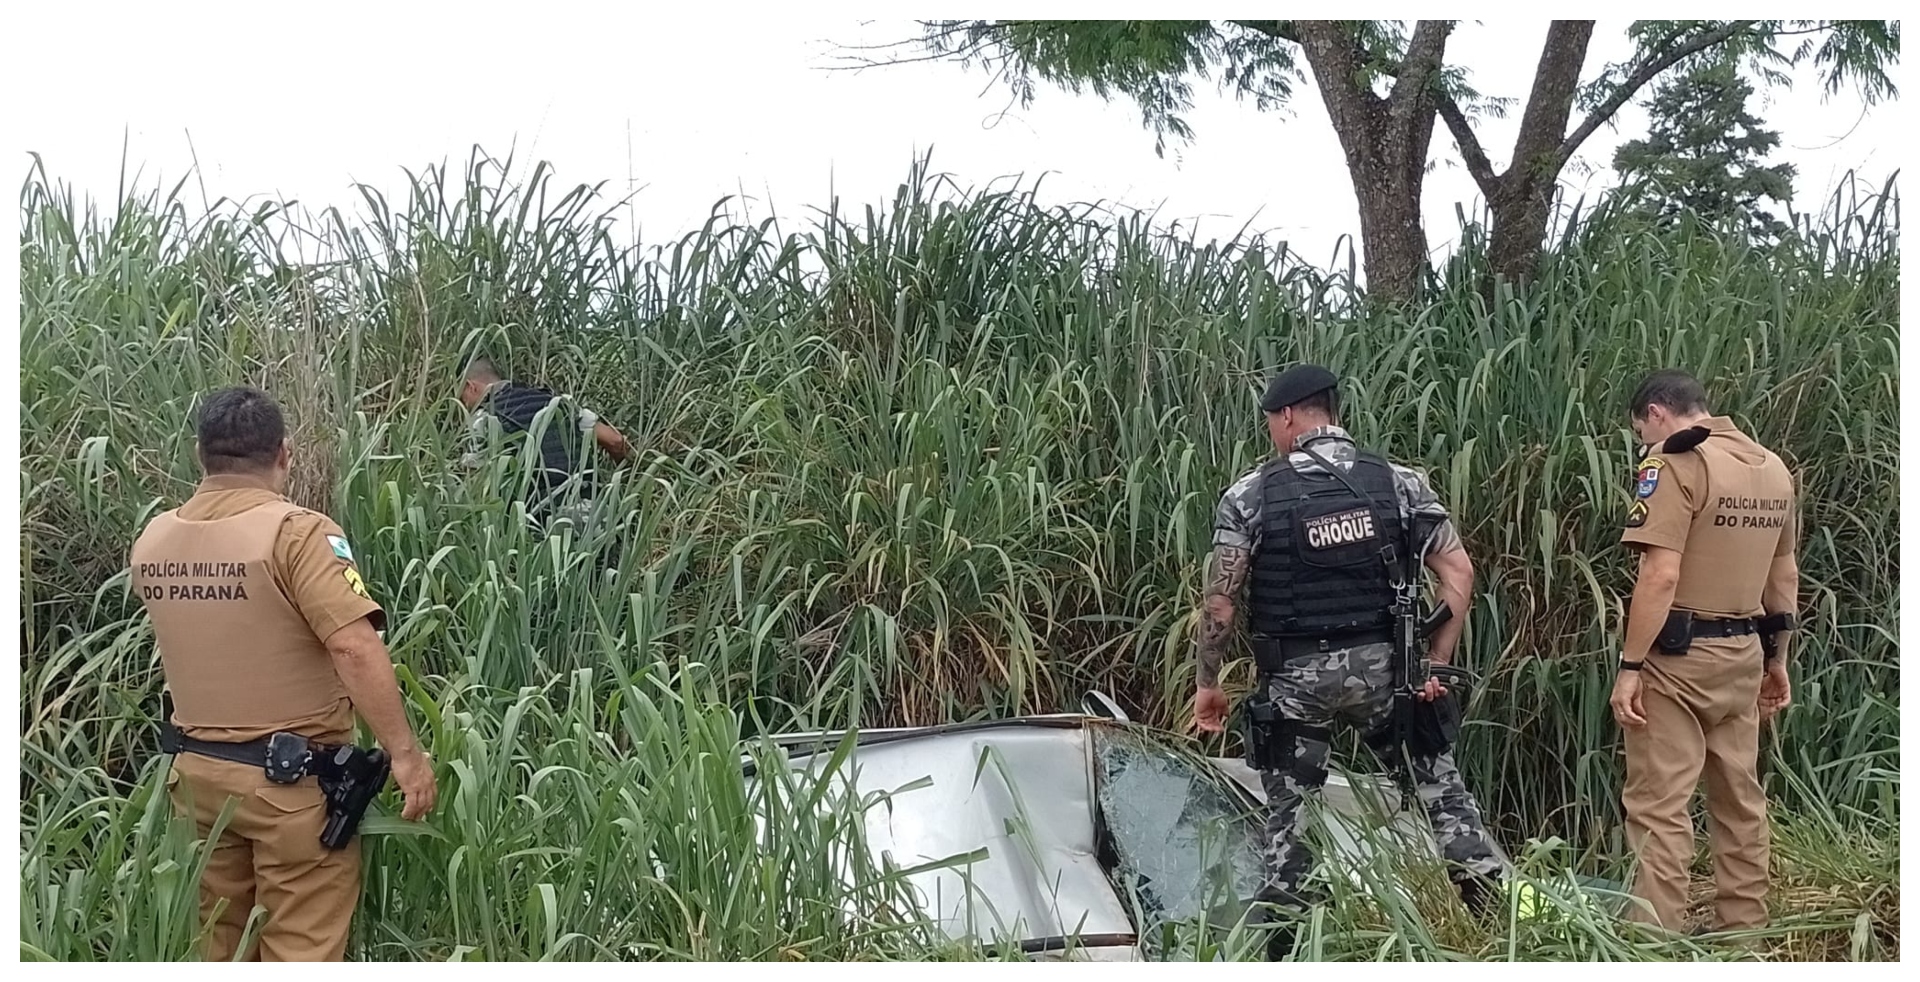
column 1528, row 902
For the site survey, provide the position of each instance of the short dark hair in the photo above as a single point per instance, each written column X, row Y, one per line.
column 1326, row 401
column 1672, row 388
column 240, row 429
column 482, row 369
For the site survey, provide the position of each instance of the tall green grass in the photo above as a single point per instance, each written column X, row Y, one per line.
column 951, row 457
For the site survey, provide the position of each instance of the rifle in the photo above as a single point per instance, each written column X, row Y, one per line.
column 1411, row 666
column 1414, row 721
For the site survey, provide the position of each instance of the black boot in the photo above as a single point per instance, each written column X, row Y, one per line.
column 1279, row 912
column 1280, row 941
column 1479, row 893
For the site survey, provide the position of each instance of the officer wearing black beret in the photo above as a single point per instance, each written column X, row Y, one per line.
column 1297, row 546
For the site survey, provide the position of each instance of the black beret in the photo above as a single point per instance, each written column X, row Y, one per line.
column 1295, row 384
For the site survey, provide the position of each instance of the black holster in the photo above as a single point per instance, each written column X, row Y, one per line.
column 353, row 778
column 1262, row 735
column 1433, row 726
column 1770, row 626
column 1676, row 636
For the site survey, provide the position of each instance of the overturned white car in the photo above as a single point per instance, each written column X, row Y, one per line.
column 1080, row 833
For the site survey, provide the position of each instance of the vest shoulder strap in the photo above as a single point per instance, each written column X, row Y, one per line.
column 1279, row 473
column 1372, row 465
column 1370, row 473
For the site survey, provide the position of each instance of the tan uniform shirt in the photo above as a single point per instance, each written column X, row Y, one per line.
column 1727, row 506
column 243, row 588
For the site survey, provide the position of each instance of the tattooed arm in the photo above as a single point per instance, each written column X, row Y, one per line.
column 1236, row 524
column 1226, row 577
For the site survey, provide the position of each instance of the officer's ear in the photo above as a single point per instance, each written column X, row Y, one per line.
column 285, row 456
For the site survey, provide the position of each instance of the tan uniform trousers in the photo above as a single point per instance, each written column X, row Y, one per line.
column 269, row 854
column 1702, row 711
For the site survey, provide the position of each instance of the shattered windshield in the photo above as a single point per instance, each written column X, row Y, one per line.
column 1186, row 845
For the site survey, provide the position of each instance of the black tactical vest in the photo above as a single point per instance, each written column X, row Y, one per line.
column 1318, row 570
column 562, row 444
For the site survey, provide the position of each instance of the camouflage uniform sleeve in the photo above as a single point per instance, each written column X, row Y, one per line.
column 1236, row 520
column 1417, row 499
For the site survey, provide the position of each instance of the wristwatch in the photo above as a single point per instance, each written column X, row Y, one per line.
column 1630, row 666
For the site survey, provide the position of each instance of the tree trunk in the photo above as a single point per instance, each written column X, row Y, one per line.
column 1385, row 142
column 1520, row 214
column 1522, row 199
column 1393, row 240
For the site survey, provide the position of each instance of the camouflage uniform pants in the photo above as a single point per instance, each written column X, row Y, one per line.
column 1354, row 686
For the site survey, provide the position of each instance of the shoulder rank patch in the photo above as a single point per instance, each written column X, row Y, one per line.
column 355, row 583
column 340, row 547
column 1648, row 477
column 1637, row 514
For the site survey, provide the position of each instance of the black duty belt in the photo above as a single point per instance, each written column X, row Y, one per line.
column 1272, row 653
column 350, row 778
column 1682, row 629
column 286, row 757
column 1731, row 628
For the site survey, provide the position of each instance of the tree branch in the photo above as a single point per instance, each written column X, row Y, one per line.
column 1336, row 67
column 1411, row 91
column 1644, row 74
column 1284, row 30
column 1550, row 103
column 1410, row 98
column 1470, row 150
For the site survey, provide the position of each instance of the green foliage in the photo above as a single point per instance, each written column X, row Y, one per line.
column 1703, row 154
column 1858, row 51
column 1151, row 61
column 951, row 457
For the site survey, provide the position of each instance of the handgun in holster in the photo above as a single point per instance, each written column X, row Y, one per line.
column 351, row 778
column 1770, row 626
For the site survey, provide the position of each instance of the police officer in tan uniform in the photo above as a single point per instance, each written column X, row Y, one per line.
column 264, row 626
column 1705, row 658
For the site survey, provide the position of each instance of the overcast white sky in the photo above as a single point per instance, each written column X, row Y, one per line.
column 692, row 104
